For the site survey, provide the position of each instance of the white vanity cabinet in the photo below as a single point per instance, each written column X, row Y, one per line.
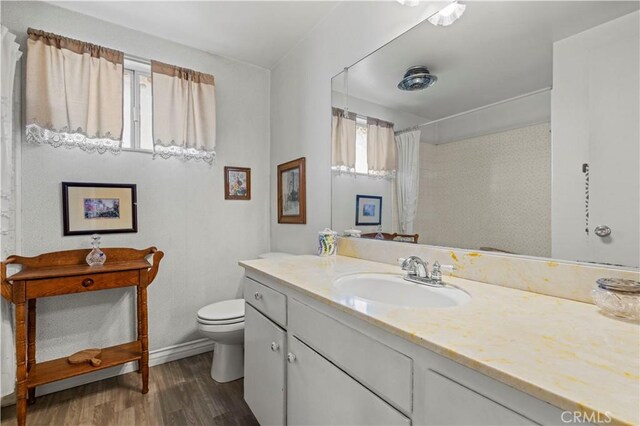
column 320, row 393
column 309, row 363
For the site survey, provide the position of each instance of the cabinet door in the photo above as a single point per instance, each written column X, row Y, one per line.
column 450, row 403
column 319, row 393
column 264, row 368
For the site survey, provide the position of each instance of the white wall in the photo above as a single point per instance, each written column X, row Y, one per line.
column 301, row 102
column 595, row 109
column 489, row 191
column 181, row 207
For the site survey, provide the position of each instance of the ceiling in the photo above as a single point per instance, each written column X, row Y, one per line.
column 496, row 51
column 257, row 32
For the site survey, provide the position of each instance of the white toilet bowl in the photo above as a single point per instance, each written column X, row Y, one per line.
column 223, row 322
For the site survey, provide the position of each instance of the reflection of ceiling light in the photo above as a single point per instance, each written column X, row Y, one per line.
column 409, row 3
column 417, row 78
column 448, row 15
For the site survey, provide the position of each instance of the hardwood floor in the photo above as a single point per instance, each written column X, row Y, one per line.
column 180, row 393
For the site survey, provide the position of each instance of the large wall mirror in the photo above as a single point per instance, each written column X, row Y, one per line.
column 517, row 132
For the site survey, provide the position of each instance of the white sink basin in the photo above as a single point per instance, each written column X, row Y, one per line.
column 393, row 290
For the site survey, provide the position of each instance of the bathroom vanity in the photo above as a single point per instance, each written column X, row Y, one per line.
column 315, row 355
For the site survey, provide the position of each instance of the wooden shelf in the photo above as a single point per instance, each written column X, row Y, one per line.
column 58, row 271
column 57, row 369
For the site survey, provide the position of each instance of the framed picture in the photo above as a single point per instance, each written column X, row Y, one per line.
column 368, row 210
column 102, row 208
column 237, row 183
column 292, row 192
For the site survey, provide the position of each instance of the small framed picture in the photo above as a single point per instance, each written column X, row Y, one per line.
column 292, row 192
column 368, row 210
column 102, row 208
column 237, row 183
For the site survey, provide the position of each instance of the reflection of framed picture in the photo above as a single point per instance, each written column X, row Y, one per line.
column 292, row 192
column 237, row 183
column 368, row 210
column 103, row 208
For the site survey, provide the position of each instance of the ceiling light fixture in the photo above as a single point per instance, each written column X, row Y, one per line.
column 410, row 3
column 417, row 78
column 448, row 15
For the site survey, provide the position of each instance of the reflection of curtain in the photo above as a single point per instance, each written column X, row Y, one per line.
column 381, row 147
column 343, row 141
column 407, row 178
column 184, row 113
column 10, row 55
column 74, row 93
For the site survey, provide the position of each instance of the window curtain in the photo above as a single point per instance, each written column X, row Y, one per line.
column 407, row 179
column 10, row 55
column 73, row 94
column 381, row 148
column 184, row 113
column 343, row 141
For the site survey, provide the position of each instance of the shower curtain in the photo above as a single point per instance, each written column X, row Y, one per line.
column 10, row 54
column 407, row 178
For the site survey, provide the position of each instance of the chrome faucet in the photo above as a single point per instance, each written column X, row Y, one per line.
column 418, row 271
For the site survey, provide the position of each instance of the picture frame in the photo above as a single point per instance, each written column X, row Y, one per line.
column 292, row 192
column 237, row 183
column 368, row 210
column 98, row 208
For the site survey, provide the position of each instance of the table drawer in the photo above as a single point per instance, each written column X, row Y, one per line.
column 81, row 283
column 270, row 302
column 380, row 368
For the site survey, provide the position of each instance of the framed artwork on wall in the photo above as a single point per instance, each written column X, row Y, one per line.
column 368, row 210
column 237, row 183
column 292, row 192
column 102, row 208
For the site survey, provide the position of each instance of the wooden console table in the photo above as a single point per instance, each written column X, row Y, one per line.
column 66, row 272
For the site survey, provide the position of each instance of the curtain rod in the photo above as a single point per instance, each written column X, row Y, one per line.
column 504, row 101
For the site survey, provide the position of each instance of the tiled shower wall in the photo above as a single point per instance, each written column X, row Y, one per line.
column 503, row 178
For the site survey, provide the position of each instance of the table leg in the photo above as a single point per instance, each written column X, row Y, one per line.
column 21, row 367
column 31, row 343
column 143, row 338
column 138, row 311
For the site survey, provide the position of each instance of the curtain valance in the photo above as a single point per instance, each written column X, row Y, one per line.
column 343, row 141
column 73, row 93
column 184, row 113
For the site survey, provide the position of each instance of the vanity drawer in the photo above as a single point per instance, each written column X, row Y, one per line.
column 81, row 283
column 270, row 302
column 385, row 371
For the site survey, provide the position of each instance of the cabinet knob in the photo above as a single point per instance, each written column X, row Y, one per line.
column 275, row 346
column 257, row 296
column 291, row 357
column 87, row 282
column 602, row 231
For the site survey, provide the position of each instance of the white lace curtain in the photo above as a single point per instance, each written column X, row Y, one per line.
column 10, row 54
column 407, row 178
column 381, row 148
column 184, row 113
column 343, row 141
column 74, row 93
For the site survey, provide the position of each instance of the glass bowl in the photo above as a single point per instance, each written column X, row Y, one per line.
column 618, row 297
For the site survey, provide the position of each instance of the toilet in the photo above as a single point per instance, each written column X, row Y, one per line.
column 223, row 322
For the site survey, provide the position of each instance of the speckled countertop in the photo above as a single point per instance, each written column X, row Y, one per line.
column 561, row 351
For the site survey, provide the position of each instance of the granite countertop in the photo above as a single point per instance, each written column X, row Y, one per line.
column 564, row 352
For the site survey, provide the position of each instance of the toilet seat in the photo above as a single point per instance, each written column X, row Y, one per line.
column 222, row 313
column 220, row 322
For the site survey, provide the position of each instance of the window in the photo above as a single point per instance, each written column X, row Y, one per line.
column 137, row 109
column 361, row 145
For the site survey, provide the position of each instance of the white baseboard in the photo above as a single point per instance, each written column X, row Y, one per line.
column 156, row 357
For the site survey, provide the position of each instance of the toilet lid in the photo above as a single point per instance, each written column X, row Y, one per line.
column 221, row 322
column 225, row 310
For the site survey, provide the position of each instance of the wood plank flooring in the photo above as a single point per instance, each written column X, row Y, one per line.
column 180, row 393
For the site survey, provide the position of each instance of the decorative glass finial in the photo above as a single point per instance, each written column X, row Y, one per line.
column 96, row 257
